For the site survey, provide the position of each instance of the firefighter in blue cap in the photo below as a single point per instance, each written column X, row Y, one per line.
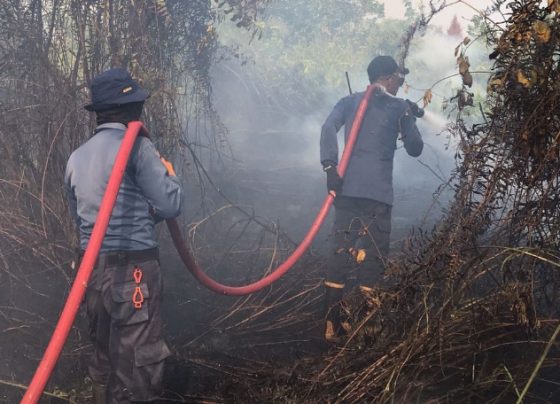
column 362, row 226
column 129, row 351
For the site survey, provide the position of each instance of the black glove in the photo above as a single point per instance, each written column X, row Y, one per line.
column 415, row 109
column 334, row 182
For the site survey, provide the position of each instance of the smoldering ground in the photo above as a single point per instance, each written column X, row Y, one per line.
column 276, row 170
column 275, row 173
column 256, row 203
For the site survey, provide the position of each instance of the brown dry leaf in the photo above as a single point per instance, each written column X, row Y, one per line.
column 466, row 40
column 494, row 84
column 527, row 80
column 360, row 255
column 542, row 31
column 427, row 98
column 503, row 44
column 522, row 79
column 457, row 50
column 463, row 62
column 467, row 79
column 554, row 5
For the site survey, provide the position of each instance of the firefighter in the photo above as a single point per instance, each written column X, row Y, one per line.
column 362, row 225
column 123, row 297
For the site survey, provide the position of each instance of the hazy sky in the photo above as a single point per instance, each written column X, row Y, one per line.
column 395, row 9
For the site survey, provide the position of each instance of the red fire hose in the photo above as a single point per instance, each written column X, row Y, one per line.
column 211, row 284
column 79, row 286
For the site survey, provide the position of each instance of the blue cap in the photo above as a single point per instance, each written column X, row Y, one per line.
column 112, row 88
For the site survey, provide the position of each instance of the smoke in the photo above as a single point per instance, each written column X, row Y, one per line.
column 435, row 121
column 276, row 139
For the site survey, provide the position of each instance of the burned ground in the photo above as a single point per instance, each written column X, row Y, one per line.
column 470, row 313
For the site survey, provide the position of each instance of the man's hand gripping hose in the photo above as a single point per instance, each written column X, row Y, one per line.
column 54, row 348
column 334, row 182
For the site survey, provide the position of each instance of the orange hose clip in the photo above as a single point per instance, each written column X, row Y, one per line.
column 137, row 296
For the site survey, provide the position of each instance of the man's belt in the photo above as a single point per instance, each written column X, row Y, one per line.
column 113, row 258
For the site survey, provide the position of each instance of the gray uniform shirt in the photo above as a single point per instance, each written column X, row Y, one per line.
column 370, row 170
column 147, row 192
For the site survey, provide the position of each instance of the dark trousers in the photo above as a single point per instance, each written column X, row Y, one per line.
column 359, row 241
column 129, row 351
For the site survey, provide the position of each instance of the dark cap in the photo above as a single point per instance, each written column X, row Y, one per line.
column 114, row 87
column 383, row 66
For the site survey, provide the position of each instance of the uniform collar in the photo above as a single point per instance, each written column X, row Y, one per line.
column 111, row 125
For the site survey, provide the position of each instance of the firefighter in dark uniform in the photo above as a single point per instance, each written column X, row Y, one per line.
column 362, row 226
column 125, row 324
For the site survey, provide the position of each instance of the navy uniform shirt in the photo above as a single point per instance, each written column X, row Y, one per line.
column 147, row 192
column 370, row 170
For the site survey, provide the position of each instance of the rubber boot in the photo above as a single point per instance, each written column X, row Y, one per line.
column 333, row 323
column 99, row 394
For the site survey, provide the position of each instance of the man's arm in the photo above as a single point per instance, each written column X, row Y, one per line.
column 329, row 142
column 70, row 196
column 411, row 137
column 161, row 190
